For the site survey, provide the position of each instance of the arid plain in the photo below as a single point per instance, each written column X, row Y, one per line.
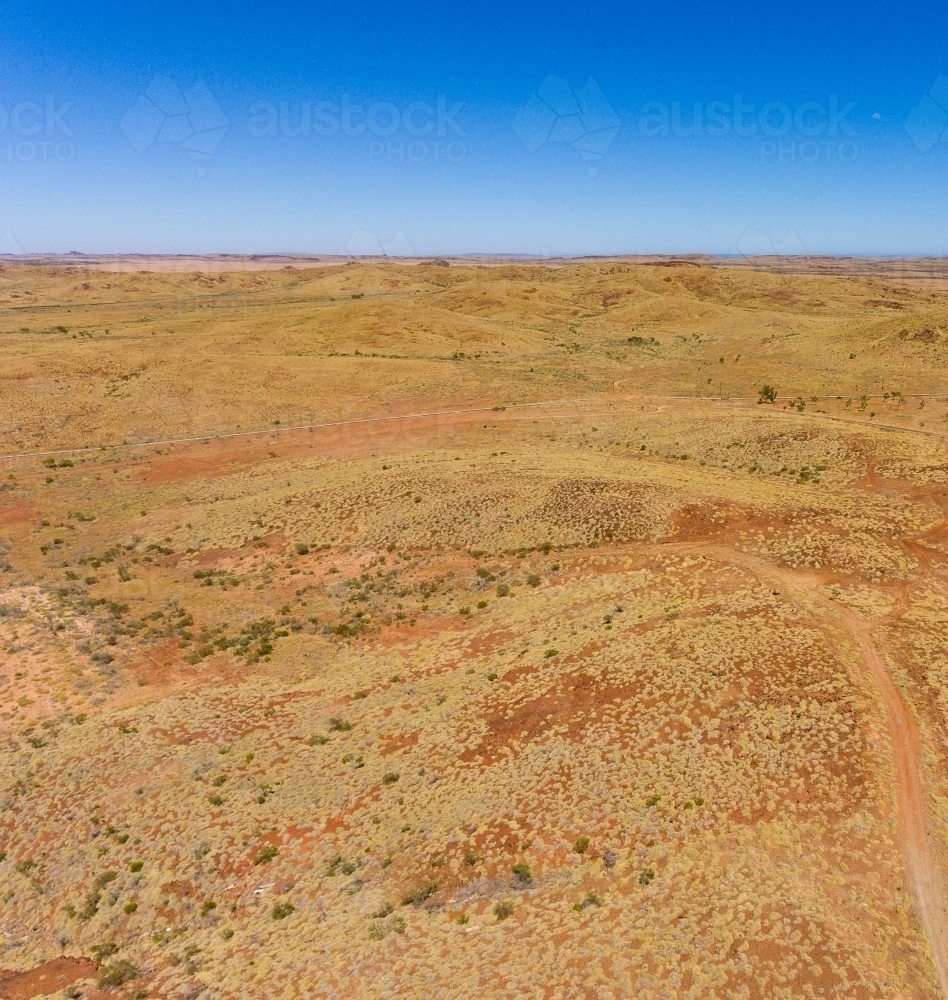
column 474, row 629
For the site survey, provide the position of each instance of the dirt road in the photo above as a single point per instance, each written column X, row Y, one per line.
column 915, row 822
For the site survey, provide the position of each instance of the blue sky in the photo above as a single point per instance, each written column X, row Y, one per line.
column 502, row 128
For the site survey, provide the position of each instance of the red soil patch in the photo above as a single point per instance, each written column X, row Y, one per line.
column 214, row 557
column 392, row 744
column 782, row 296
column 487, row 642
column 572, row 704
column 180, row 888
column 15, row 513
column 341, row 820
column 377, row 434
column 47, row 978
column 696, row 520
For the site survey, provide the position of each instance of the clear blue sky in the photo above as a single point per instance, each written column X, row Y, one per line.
column 536, row 128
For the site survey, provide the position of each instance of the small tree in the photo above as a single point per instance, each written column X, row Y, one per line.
column 768, row 394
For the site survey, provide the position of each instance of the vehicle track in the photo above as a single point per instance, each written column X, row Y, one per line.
column 326, row 425
column 915, row 821
column 747, row 403
column 737, row 403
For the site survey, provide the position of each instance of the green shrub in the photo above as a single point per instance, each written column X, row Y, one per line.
column 317, row 741
column 339, row 725
column 646, row 876
column 378, row 931
column 91, row 907
column 503, row 590
column 337, row 864
column 390, row 778
column 282, row 910
column 130, row 908
column 116, row 974
column 103, row 951
column 551, row 652
column 302, row 549
column 136, row 866
column 266, row 855
column 581, row 845
column 415, row 897
column 533, row 580
column 503, row 910
column 521, row 872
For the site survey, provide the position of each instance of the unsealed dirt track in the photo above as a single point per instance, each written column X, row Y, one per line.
column 914, row 818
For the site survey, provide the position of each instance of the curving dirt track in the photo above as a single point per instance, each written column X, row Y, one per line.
column 915, row 821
